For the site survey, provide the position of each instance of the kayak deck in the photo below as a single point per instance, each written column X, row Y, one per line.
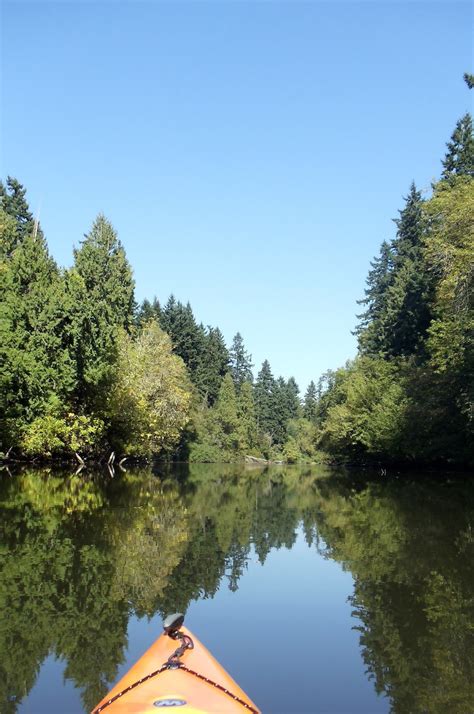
column 198, row 685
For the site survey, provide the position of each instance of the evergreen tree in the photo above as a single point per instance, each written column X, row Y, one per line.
column 264, row 395
column 293, row 399
column 398, row 294
column 148, row 311
column 247, row 427
column 214, row 365
column 13, row 202
column 101, row 290
column 469, row 79
column 459, row 159
column 408, row 313
column 310, row 407
column 369, row 331
column 188, row 338
column 286, row 406
column 240, row 362
column 450, row 255
column 225, row 416
column 37, row 369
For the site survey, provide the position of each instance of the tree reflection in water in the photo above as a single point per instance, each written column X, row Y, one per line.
column 80, row 554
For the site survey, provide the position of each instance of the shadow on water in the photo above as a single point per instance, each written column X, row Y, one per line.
column 80, row 554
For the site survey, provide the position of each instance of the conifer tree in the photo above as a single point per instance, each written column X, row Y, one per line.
column 36, row 364
column 214, row 365
column 398, row 293
column 285, row 406
column 310, row 407
column 240, row 362
column 379, row 279
column 13, row 202
column 408, row 311
column 148, row 311
column 293, row 400
column 225, row 415
column 187, row 336
column 247, row 422
column 469, row 79
column 101, row 289
column 459, row 159
column 264, row 395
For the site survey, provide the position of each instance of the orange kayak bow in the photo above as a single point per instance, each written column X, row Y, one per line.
column 177, row 671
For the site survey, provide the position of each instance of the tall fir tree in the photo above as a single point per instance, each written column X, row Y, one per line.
column 368, row 331
column 188, row 338
column 225, row 416
column 13, row 202
column 469, row 79
column 247, row 421
column 264, row 394
column 408, row 313
column 310, row 405
column 459, row 159
column 399, row 290
column 214, row 364
column 148, row 311
column 36, row 366
column 101, row 289
column 286, row 406
column 240, row 362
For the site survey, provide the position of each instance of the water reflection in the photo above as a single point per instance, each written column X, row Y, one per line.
column 80, row 553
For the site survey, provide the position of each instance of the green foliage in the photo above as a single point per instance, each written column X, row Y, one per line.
column 13, row 202
column 148, row 311
column 398, row 293
column 187, row 336
column 218, row 428
column 469, row 79
column 240, row 362
column 203, row 351
column 285, row 406
column 214, row 364
column 459, row 159
column 101, row 291
column 310, row 405
column 264, row 400
column 54, row 435
column 450, row 253
column 225, row 416
column 36, row 363
column 369, row 415
column 247, row 421
column 411, row 394
column 301, row 444
column 74, row 376
column 150, row 397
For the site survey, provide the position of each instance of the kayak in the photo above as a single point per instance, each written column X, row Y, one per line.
column 176, row 672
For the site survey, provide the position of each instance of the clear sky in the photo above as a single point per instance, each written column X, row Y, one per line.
column 251, row 155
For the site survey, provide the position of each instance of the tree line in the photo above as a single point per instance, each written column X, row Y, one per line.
column 409, row 393
column 85, row 370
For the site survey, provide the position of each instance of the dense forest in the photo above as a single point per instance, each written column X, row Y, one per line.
column 85, row 370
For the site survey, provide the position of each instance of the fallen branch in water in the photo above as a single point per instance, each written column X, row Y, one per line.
column 80, row 459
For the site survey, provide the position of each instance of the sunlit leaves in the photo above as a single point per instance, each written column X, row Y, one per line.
column 150, row 399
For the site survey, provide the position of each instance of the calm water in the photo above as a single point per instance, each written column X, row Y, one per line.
column 318, row 592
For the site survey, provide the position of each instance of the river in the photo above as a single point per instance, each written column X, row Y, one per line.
column 319, row 591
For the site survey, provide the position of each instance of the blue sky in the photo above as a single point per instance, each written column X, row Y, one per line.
column 251, row 155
